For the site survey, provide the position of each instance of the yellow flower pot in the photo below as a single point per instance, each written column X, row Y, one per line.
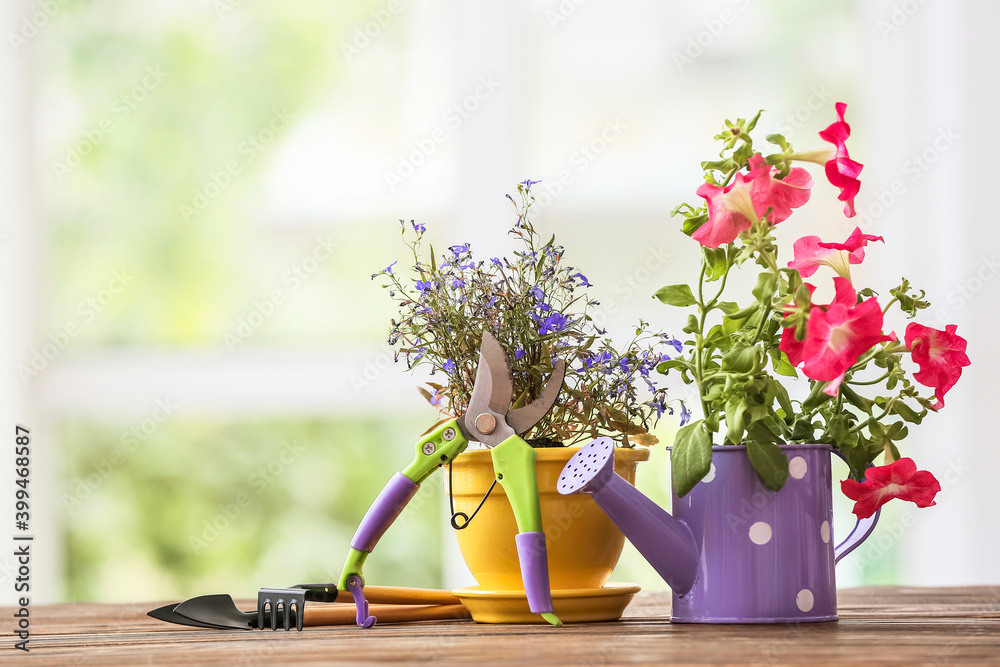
column 583, row 544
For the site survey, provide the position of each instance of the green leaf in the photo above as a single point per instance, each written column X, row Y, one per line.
column 719, row 337
column 782, row 395
column 691, row 458
column 892, row 449
column 665, row 366
column 802, row 430
column 735, row 419
column 746, row 312
column 782, row 365
column 715, row 262
column 777, row 427
column 780, row 141
column 691, row 224
column 759, row 432
column 856, row 399
column 692, row 324
column 839, row 428
column 728, row 307
column 816, row 397
column 770, row 463
column 741, row 359
column 857, row 458
column 908, row 413
column 676, row 295
column 764, row 289
column 898, row 431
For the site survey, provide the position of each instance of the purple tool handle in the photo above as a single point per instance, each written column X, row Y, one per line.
column 390, row 502
column 533, row 556
column 363, row 620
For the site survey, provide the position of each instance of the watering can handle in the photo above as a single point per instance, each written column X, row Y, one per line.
column 862, row 529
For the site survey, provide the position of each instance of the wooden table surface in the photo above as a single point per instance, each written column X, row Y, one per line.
column 878, row 626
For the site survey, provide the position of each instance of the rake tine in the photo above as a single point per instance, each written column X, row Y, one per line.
column 280, row 602
column 261, row 609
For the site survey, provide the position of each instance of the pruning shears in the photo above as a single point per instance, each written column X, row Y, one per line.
column 490, row 421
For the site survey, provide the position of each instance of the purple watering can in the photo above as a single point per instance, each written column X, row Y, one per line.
column 734, row 551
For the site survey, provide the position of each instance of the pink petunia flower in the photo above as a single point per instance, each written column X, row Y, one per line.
column 940, row 355
column 836, row 336
column 781, row 196
column 730, row 211
column 900, row 479
column 811, row 252
column 733, row 209
column 841, row 170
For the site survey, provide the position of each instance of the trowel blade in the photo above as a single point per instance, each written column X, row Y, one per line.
column 216, row 611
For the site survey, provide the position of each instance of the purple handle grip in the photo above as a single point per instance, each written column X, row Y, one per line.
column 862, row 529
column 390, row 502
column 364, row 620
column 533, row 556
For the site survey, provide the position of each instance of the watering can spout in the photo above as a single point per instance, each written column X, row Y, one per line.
column 667, row 543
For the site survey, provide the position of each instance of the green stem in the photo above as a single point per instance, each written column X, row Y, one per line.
column 868, row 382
column 872, row 420
column 700, row 339
column 722, row 288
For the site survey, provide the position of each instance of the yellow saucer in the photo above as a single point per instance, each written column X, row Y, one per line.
column 574, row 605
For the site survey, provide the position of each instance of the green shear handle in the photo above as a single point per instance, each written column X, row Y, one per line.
column 514, row 465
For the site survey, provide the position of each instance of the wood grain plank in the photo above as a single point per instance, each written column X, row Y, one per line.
column 878, row 626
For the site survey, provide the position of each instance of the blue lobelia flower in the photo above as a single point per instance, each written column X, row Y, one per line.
column 685, row 414
column 448, row 366
column 528, row 183
column 553, row 323
column 436, row 398
column 417, row 227
column 583, row 279
column 519, row 353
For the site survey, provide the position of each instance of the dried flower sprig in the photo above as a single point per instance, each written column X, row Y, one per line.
column 537, row 307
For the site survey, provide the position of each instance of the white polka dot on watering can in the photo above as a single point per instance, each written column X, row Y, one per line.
column 710, row 475
column 804, row 600
column 760, row 533
column 824, row 531
column 797, row 467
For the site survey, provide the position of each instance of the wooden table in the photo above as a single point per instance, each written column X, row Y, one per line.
column 878, row 626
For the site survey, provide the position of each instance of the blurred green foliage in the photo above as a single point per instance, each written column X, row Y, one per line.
column 207, row 506
column 142, row 107
column 122, row 151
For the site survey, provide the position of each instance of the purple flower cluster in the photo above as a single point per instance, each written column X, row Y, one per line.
column 530, row 300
